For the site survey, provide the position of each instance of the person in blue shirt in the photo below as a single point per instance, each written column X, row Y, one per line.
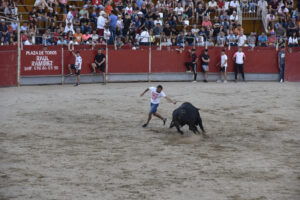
column 262, row 40
column 113, row 24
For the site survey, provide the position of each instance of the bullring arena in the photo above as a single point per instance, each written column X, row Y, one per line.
column 90, row 141
column 65, row 142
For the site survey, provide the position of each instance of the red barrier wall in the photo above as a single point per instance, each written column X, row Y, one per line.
column 35, row 61
column 8, row 66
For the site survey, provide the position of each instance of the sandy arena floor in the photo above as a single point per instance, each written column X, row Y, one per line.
column 65, row 142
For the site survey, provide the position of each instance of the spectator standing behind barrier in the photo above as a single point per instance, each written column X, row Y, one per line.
column 192, row 64
column 239, row 58
column 99, row 63
column 205, row 60
column 76, row 66
column 281, row 63
column 223, row 67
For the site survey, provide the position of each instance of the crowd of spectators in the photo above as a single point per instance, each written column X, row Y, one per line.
column 143, row 22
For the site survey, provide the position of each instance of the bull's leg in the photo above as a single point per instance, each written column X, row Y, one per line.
column 178, row 129
column 194, row 129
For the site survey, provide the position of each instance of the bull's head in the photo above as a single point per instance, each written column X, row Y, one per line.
column 172, row 124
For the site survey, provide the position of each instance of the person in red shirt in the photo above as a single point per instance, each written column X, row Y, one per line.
column 220, row 4
column 97, row 3
column 206, row 22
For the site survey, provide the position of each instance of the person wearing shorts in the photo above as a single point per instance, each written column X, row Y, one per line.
column 192, row 64
column 76, row 67
column 156, row 94
column 205, row 60
column 223, row 67
column 99, row 63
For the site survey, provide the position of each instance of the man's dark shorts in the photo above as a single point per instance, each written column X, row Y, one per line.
column 101, row 67
column 76, row 72
column 223, row 69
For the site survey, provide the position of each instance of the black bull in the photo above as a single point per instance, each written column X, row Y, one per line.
column 187, row 114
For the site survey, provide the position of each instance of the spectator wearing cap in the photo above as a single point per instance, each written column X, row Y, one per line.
column 101, row 22
column 262, row 40
column 4, row 31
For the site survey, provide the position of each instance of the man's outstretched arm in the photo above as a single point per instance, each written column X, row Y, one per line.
column 170, row 100
column 145, row 92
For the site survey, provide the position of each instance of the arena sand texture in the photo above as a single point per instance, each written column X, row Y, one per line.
column 64, row 142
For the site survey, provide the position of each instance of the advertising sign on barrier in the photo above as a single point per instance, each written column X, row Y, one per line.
column 41, row 62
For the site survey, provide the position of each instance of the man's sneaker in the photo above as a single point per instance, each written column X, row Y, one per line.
column 145, row 125
column 225, row 81
column 205, row 81
column 93, row 73
column 281, row 80
column 194, row 81
column 165, row 121
column 77, row 84
column 104, row 83
column 218, row 81
column 188, row 71
column 69, row 74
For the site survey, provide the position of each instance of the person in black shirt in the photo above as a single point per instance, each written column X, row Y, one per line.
column 192, row 64
column 205, row 60
column 100, row 64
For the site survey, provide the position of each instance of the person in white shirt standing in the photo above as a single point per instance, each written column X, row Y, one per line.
column 223, row 67
column 76, row 66
column 239, row 58
column 156, row 94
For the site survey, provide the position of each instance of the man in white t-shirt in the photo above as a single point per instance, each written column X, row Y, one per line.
column 223, row 67
column 242, row 39
column 156, row 94
column 239, row 57
column 76, row 66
